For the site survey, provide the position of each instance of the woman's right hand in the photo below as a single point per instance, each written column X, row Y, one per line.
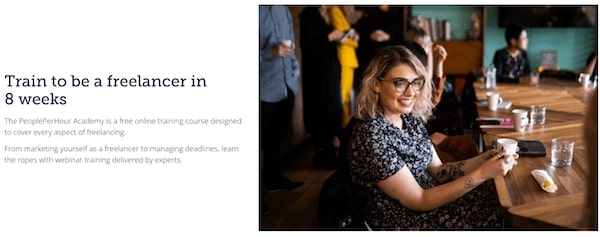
column 497, row 165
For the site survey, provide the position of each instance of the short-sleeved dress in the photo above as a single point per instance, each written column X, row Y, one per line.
column 378, row 150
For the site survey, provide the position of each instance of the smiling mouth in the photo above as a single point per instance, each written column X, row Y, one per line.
column 406, row 102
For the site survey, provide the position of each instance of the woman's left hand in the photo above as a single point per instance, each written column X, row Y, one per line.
column 513, row 160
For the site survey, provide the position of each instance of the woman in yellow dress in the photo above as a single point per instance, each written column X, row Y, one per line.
column 347, row 57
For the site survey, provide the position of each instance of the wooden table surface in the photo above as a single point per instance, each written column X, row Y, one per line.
column 521, row 197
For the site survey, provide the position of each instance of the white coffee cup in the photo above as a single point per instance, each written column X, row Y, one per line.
column 520, row 119
column 288, row 43
column 493, row 100
column 509, row 145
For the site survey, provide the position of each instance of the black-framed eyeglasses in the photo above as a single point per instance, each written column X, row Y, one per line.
column 402, row 84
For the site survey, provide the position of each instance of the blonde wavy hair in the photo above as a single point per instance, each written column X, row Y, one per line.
column 367, row 101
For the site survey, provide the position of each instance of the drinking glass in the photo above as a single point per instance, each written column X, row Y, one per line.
column 562, row 152
column 537, row 115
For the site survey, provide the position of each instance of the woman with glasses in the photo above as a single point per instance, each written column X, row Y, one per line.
column 390, row 153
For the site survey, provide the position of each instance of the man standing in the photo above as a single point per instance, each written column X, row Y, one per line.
column 278, row 75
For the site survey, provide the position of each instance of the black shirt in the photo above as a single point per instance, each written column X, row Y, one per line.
column 510, row 69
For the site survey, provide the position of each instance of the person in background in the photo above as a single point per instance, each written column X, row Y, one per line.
column 445, row 126
column 278, row 81
column 436, row 55
column 380, row 27
column 391, row 154
column 511, row 62
column 321, row 90
column 348, row 60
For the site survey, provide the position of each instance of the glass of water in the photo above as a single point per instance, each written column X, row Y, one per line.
column 537, row 115
column 490, row 78
column 562, row 152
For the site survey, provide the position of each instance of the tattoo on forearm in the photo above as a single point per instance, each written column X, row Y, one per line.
column 451, row 171
column 469, row 183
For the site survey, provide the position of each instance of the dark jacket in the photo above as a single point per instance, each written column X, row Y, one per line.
column 320, row 76
column 509, row 69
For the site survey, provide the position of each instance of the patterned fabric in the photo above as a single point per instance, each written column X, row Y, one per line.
column 379, row 149
column 510, row 69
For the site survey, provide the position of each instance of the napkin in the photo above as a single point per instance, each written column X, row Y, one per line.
column 544, row 180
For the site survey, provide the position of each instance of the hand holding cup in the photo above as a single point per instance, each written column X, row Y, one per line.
column 285, row 48
column 510, row 148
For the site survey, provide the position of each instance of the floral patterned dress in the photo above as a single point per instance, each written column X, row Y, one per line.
column 378, row 150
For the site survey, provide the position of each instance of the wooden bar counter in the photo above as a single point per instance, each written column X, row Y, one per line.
column 521, row 197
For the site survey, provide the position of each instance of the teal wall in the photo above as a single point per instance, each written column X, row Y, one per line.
column 573, row 45
column 458, row 16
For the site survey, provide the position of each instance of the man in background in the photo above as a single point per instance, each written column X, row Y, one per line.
column 278, row 76
column 512, row 62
